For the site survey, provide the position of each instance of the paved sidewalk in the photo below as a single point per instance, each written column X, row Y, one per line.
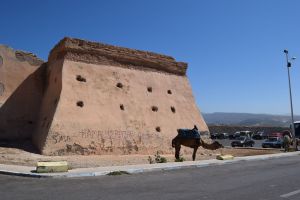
column 99, row 171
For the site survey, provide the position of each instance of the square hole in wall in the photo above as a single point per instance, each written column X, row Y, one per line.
column 119, row 85
column 154, row 108
column 80, row 103
column 173, row 109
column 80, row 78
column 158, row 129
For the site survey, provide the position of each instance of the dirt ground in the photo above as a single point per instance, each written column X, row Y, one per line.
column 25, row 155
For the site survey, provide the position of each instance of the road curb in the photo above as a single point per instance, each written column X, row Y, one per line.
column 135, row 169
column 14, row 173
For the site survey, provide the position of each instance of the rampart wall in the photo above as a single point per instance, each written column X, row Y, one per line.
column 93, row 98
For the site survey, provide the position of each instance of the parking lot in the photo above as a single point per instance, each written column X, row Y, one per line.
column 227, row 142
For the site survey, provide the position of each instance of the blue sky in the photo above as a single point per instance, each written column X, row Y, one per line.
column 234, row 48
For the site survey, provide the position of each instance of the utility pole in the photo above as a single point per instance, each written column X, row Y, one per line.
column 289, row 65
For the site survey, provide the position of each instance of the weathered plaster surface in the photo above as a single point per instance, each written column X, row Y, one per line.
column 21, row 90
column 101, row 99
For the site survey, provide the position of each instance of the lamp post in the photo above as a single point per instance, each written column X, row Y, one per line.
column 289, row 64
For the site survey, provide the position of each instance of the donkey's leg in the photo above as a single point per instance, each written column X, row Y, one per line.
column 194, row 153
column 177, row 151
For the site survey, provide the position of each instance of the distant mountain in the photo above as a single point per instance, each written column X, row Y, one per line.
column 247, row 119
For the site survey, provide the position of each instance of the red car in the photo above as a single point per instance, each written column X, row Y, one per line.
column 280, row 134
column 276, row 135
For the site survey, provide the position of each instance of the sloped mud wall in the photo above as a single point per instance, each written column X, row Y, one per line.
column 102, row 99
column 92, row 98
column 21, row 91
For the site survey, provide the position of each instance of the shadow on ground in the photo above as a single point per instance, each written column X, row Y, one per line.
column 25, row 145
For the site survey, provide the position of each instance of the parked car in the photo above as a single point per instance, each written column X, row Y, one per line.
column 236, row 134
column 243, row 141
column 276, row 134
column 213, row 136
column 273, row 142
column 222, row 136
column 260, row 135
column 246, row 133
column 231, row 136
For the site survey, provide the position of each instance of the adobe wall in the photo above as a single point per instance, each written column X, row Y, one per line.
column 102, row 99
column 21, row 89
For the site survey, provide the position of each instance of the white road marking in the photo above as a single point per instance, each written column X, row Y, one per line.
column 290, row 194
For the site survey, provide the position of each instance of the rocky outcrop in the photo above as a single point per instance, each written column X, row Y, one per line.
column 98, row 53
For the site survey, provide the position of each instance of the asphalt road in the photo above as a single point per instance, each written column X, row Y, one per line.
column 269, row 179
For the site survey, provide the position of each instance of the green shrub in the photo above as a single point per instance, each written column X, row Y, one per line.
column 162, row 160
column 116, row 173
column 159, row 158
column 180, row 159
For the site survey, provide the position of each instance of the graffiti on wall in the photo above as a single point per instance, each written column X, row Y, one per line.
column 126, row 142
column 119, row 138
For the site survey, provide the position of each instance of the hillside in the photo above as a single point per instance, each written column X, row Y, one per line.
column 248, row 119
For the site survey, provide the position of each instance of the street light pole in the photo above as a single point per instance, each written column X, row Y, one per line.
column 289, row 64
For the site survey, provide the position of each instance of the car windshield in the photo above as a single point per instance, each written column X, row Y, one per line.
column 245, row 133
column 241, row 138
column 272, row 139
